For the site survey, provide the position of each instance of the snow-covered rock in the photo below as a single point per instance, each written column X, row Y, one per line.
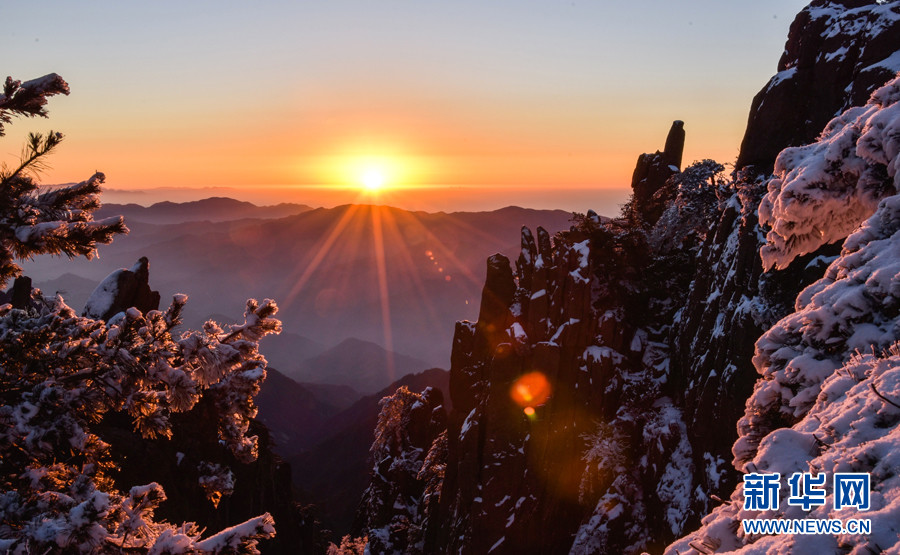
column 123, row 289
column 828, row 397
column 837, row 53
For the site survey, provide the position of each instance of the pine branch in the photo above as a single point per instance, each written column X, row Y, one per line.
column 35, row 149
column 29, row 98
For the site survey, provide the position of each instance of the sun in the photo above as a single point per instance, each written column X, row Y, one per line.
column 375, row 175
column 373, row 179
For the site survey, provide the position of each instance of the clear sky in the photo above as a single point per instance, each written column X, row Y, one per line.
column 521, row 93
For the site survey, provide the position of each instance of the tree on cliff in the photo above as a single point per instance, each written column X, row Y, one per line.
column 60, row 374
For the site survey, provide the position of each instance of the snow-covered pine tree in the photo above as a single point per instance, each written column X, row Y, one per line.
column 408, row 458
column 35, row 222
column 60, row 374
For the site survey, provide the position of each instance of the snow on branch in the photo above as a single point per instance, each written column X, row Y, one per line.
column 51, row 222
column 239, row 538
column 28, row 98
column 62, row 374
column 825, row 190
column 860, row 434
column 35, row 221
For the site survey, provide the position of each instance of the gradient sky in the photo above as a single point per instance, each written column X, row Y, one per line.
column 512, row 93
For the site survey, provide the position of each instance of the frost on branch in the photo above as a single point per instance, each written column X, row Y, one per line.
column 851, row 427
column 823, row 191
column 59, row 221
column 216, row 481
column 241, row 538
column 35, row 221
column 695, row 196
column 854, row 306
column 28, row 98
column 349, row 546
column 62, row 374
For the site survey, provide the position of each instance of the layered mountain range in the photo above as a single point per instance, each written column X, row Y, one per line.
column 331, row 278
column 600, row 400
column 325, row 270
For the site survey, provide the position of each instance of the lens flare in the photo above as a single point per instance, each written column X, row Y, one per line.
column 530, row 390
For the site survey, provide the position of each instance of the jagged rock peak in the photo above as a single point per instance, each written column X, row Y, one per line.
column 527, row 258
column 674, row 148
column 19, row 295
column 651, row 173
column 123, row 289
column 545, row 249
column 21, row 292
column 497, row 295
column 837, row 53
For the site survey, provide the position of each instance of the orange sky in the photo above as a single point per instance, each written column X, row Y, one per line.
column 423, row 145
column 516, row 94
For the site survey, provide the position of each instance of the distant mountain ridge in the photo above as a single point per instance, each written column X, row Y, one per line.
column 321, row 266
column 293, row 413
column 361, row 365
column 213, row 209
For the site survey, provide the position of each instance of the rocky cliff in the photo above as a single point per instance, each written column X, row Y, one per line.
column 826, row 401
column 837, row 53
column 594, row 399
